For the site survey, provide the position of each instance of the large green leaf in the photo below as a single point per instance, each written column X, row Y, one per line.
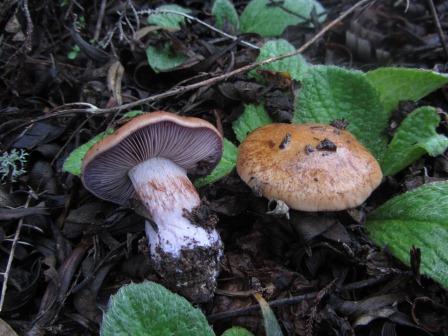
column 330, row 92
column 149, row 309
column 269, row 19
column 225, row 13
column 73, row 163
column 169, row 21
column 416, row 218
column 415, row 137
column 237, row 331
column 399, row 84
column 254, row 116
column 163, row 58
column 224, row 167
column 295, row 66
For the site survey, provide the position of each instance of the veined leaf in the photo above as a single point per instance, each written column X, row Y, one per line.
column 163, row 58
column 254, row 116
column 169, row 21
column 415, row 137
column 224, row 167
column 270, row 19
column 329, row 93
column 295, row 66
column 147, row 309
column 225, row 13
column 237, row 331
column 416, row 218
column 73, row 163
column 399, row 84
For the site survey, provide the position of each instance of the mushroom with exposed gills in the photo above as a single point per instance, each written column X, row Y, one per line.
column 148, row 159
column 310, row 167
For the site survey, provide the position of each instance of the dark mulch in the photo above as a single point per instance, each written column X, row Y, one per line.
column 76, row 250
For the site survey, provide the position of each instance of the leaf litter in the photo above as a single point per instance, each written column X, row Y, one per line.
column 74, row 251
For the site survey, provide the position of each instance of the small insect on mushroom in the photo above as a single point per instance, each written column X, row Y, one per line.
column 319, row 169
column 148, row 159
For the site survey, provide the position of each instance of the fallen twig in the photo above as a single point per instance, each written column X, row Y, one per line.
column 439, row 27
column 99, row 22
column 29, row 26
column 292, row 300
column 11, row 257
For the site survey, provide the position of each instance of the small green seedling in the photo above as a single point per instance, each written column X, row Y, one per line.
column 74, row 52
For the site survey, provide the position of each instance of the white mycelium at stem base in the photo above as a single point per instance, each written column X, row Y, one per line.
column 165, row 190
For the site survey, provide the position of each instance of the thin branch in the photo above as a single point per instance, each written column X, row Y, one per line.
column 99, row 22
column 11, row 256
column 205, row 24
column 293, row 300
column 29, row 26
column 439, row 27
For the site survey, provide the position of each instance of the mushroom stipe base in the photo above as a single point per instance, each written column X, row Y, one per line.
column 192, row 273
column 185, row 253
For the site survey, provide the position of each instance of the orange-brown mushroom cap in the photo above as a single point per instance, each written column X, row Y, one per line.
column 191, row 143
column 310, row 167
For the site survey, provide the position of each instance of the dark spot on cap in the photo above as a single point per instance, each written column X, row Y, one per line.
column 285, row 142
column 309, row 149
column 326, row 145
column 271, row 143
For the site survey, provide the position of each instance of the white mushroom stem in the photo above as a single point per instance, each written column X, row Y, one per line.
column 166, row 192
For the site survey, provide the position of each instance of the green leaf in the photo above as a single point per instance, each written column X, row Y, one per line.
column 163, row 58
column 415, row 137
column 224, row 167
column 148, row 309
column 253, row 117
column 237, row 331
column 271, row 20
column 169, row 21
column 416, row 218
column 74, row 52
column 132, row 114
column 271, row 326
column 225, row 13
column 330, row 92
column 73, row 163
column 295, row 66
column 399, row 84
